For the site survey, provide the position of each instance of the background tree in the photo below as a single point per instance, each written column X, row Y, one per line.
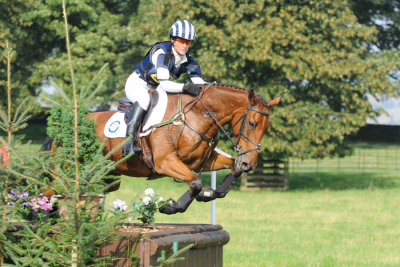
column 311, row 52
column 314, row 53
column 98, row 36
column 30, row 45
column 384, row 16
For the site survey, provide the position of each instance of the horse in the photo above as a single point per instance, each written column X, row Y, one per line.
column 181, row 150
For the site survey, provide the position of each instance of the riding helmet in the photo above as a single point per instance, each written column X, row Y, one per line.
column 183, row 29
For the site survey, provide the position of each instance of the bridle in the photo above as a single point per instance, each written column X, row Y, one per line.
column 215, row 119
column 241, row 133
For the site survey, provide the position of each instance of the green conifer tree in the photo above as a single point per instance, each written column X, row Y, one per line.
column 78, row 168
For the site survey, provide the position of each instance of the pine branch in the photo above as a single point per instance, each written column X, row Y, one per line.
column 60, row 91
column 85, row 92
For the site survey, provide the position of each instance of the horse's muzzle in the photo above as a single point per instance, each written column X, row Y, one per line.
column 244, row 166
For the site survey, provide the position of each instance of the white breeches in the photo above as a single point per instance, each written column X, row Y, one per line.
column 136, row 89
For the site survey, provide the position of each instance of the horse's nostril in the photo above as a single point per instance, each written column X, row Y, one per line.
column 245, row 166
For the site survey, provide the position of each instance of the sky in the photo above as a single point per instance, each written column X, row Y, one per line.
column 391, row 106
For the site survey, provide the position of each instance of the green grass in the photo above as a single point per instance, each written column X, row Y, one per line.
column 342, row 220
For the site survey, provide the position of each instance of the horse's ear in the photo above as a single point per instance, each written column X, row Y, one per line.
column 252, row 98
column 275, row 101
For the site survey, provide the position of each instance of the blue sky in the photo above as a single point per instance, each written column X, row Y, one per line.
column 391, row 106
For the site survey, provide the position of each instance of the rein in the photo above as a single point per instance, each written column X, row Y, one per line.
column 215, row 119
column 243, row 118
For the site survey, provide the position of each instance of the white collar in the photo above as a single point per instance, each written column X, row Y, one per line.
column 178, row 58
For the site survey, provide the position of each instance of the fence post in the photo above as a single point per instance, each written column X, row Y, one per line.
column 213, row 186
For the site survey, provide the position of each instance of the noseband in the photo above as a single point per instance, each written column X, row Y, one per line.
column 243, row 119
column 241, row 133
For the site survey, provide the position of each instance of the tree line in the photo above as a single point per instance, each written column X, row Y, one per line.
column 323, row 56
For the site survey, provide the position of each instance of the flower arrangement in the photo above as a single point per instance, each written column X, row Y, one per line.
column 119, row 206
column 148, row 206
column 14, row 196
column 42, row 203
column 32, row 209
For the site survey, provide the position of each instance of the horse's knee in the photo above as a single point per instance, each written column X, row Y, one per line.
column 195, row 186
column 113, row 184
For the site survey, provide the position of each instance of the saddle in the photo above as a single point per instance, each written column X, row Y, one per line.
column 125, row 106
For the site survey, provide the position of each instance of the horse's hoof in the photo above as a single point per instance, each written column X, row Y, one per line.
column 168, row 210
column 206, row 194
column 237, row 173
column 171, row 209
column 195, row 187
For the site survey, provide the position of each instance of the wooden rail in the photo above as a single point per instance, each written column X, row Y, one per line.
column 269, row 174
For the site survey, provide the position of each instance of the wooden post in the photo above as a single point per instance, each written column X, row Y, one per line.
column 269, row 174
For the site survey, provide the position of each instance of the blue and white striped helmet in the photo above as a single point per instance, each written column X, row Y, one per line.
column 183, row 29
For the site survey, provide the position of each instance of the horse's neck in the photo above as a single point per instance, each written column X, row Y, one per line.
column 225, row 101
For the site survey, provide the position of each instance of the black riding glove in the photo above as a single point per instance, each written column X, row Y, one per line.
column 193, row 89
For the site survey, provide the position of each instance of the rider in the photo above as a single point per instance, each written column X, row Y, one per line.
column 164, row 62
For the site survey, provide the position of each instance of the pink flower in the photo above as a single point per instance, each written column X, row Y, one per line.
column 47, row 206
column 42, row 201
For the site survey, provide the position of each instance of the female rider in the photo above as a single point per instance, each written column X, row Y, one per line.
column 164, row 62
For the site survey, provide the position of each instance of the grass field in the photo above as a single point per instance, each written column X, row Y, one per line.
column 319, row 222
column 325, row 219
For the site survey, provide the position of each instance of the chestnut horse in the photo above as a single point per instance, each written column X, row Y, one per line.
column 178, row 150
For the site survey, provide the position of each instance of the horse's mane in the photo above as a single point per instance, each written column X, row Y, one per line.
column 265, row 103
column 230, row 85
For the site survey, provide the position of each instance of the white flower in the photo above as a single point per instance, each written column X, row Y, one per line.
column 53, row 199
column 119, row 204
column 146, row 200
column 149, row 192
column 159, row 200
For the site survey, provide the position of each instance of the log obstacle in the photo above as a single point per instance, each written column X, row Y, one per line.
column 208, row 243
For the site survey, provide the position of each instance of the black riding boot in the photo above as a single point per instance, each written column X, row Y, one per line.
column 132, row 128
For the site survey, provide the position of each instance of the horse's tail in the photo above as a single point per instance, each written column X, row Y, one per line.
column 48, row 142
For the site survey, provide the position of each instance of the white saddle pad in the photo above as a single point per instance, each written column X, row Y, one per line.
column 116, row 126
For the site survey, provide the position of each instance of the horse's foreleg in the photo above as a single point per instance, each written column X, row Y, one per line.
column 217, row 162
column 178, row 206
column 208, row 194
column 173, row 167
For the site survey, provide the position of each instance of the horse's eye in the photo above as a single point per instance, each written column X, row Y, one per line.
column 252, row 125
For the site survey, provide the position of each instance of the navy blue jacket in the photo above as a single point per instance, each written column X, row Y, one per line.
column 147, row 69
